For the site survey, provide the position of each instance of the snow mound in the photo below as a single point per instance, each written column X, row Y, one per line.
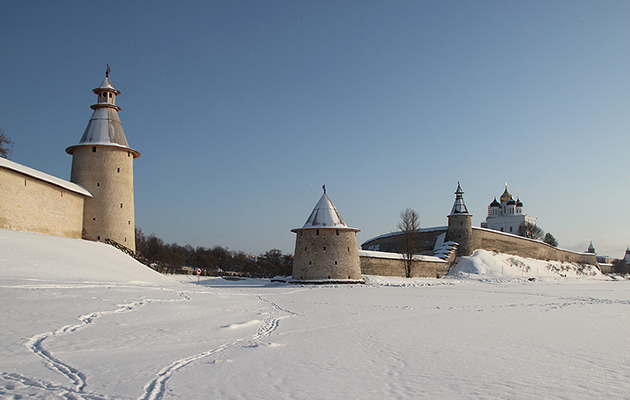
column 484, row 265
column 38, row 258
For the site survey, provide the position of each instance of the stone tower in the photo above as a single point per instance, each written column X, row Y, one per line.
column 325, row 247
column 460, row 224
column 102, row 163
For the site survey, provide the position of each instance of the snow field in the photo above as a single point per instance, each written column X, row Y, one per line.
column 81, row 320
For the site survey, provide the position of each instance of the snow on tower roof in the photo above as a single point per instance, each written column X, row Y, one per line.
column 325, row 215
column 107, row 84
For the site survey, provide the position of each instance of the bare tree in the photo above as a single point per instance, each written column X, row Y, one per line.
column 409, row 225
column 5, row 145
column 550, row 239
column 531, row 231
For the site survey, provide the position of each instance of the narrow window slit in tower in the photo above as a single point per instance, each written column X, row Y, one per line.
column 119, row 170
column 98, row 184
column 94, row 219
column 317, row 233
column 337, row 231
column 93, row 149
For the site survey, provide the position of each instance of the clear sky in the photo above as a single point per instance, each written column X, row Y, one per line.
column 242, row 110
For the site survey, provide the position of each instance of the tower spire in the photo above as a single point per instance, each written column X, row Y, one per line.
column 104, row 127
column 459, row 207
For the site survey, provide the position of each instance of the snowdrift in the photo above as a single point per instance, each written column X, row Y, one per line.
column 484, row 265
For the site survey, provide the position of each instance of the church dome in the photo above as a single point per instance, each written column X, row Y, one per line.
column 519, row 203
column 495, row 203
column 511, row 202
column 506, row 196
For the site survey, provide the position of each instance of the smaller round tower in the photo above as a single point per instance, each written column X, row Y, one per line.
column 102, row 163
column 460, row 225
column 325, row 247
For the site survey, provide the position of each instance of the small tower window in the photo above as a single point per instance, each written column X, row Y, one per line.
column 337, row 231
column 98, row 238
column 94, row 219
column 305, row 249
column 335, row 262
column 98, row 184
column 324, row 248
column 317, row 233
column 128, row 222
column 121, row 205
column 93, row 149
column 310, row 262
column 118, row 170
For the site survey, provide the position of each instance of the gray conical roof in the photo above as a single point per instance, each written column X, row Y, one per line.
column 104, row 127
column 325, row 215
column 459, row 207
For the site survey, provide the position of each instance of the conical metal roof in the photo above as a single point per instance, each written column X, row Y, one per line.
column 325, row 215
column 104, row 127
column 459, row 207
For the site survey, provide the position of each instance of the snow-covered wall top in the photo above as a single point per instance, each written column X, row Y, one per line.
column 12, row 165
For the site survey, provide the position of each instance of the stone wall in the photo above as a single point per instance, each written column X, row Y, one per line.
column 392, row 242
column 33, row 205
column 391, row 264
column 501, row 242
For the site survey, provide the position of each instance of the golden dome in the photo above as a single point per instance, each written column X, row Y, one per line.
column 506, row 196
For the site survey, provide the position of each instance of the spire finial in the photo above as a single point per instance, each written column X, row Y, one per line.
column 324, row 187
column 108, row 71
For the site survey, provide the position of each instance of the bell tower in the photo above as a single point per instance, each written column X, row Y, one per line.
column 102, row 163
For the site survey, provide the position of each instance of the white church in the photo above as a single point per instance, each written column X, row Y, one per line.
column 506, row 215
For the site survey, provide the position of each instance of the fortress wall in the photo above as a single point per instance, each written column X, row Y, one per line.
column 388, row 266
column 392, row 243
column 32, row 205
column 511, row 244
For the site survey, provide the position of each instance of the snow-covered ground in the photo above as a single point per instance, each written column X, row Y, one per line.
column 80, row 320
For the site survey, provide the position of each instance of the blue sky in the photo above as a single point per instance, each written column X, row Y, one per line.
column 242, row 110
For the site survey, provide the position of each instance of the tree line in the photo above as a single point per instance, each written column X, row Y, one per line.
column 213, row 261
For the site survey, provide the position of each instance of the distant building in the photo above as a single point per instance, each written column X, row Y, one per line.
column 506, row 215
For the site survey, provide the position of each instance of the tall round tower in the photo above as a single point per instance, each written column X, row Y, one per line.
column 460, row 224
column 102, row 163
column 325, row 247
